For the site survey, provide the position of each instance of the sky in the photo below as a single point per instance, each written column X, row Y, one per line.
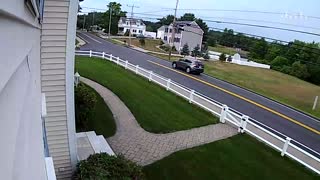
column 302, row 15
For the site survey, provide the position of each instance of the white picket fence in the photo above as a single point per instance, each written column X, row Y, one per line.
column 271, row 137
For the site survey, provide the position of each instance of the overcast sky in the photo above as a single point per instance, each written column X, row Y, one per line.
column 299, row 13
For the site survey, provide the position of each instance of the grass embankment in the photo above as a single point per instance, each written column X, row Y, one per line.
column 150, row 44
column 276, row 85
column 239, row 157
column 156, row 109
column 165, row 57
column 226, row 50
column 102, row 121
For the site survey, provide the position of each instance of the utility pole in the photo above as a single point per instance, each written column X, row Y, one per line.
column 132, row 6
column 110, row 11
column 84, row 20
column 93, row 18
column 173, row 29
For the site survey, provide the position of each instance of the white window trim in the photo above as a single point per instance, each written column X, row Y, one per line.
column 33, row 7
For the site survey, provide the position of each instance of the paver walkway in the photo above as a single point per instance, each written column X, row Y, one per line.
column 144, row 147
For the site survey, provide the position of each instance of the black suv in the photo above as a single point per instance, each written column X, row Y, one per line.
column 189, row 65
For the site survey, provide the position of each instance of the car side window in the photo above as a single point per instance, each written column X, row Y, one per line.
column 181, row 60
column 187, row 61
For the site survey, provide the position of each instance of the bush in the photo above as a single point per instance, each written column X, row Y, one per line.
column 104, row 166
column 85, row 101
column 278, row 62
column 161, row 43
column 222, row 57
column 185, row 50
column 142, row 41
column 206, row 56
column 229, row 59
column 165, row 47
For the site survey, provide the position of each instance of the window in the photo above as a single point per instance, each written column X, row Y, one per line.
column 140, row 31
column 141, row 24
column 170, row 30
column 166, row 30
column 176, row 39
column 35, row 7
column 127, row 23
column 134, row 30
column 165, row 38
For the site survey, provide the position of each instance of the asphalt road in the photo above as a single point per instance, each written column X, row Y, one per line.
column 260, row 113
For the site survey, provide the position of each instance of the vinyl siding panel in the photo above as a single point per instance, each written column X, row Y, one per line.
column 53, row 72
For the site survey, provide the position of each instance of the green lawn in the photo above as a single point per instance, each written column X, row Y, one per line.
column 150, row 44
column 156, row 109
column 239, row 157
column 165, row 57
column 273, row 84
column 102, row 121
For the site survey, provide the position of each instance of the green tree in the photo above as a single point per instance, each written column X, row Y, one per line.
column 222, row 57
column 116, row 13
column 185, row 50
column 299, row 70
column 279, row 62
column 196, row 51
column 166, row 20
column 187, row 17
column 212, row 41
column 259, row 49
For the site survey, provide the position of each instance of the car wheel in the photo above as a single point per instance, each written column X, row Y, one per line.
column 188, row 70
column 174, row 65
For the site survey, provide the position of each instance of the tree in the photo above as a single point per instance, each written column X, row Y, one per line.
column 222, row 57
column 212, row 41
column 166, row 20
column 259, row 49
column 116, row 13
column 187, row 17
column 279, row 62
column 185, row 50
column 196, row 51
column 299, row 70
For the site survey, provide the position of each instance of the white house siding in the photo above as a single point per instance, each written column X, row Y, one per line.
column 57, row 59
column 21, row 137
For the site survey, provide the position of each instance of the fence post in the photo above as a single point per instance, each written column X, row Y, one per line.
column 126, row 67
column 223, row 114
column 315, row 103
column 285, row 146
column 137, row 66
column 243, row 124
column 168, row 84
column 191, row 96
column 118, row 60
column 103, row 55
column 111, row 57
column 150, row 75
column 90, row 53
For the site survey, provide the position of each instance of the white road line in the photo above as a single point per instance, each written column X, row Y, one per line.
column 78, row 35
column 92, row 38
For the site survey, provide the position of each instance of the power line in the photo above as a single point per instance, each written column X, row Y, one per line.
column 263, row 26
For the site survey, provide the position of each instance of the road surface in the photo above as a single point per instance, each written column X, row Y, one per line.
column 299, row 126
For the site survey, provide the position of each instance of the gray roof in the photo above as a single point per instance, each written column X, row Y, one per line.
column 187, row 23
column 163, row 27
column 124, row 19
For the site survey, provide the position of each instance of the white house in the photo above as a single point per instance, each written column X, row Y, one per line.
column 137, row 26
column 36, row 89
column 186, row 32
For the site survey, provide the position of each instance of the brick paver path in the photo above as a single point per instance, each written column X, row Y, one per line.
column 144, row 147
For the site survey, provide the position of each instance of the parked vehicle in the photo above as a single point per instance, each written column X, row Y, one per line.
column 189, row 65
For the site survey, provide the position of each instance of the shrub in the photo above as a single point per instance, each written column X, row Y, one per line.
column 142, row 41
column 185, row 50
column 127, row 33
column 278, row 62
column 229, row 59
column 104, row 166
column 161, row 43
column 85, row 101
column 206, row 56
column 222, row 57
column 174, row 48
column 165, row 47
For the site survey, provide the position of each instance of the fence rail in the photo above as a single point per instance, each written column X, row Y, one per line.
column 284, row 144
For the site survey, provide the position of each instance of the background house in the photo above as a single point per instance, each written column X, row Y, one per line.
column 187, row 32
column 137, row 26
column 36, row 89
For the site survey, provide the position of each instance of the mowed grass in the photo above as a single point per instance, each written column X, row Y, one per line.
column 156, row 109
column 275, row 85
column 150, row 44
column 165, row 57
column 102, row 121
column 239, row 157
